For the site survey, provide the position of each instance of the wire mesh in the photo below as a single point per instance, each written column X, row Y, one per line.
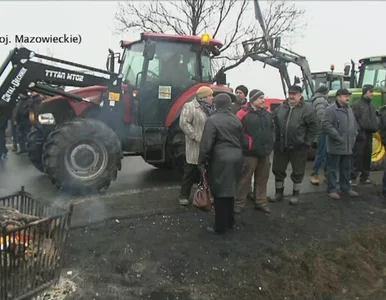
column 31, row 254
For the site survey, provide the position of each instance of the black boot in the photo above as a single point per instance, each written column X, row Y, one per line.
column 295, row 197
column 279, row 195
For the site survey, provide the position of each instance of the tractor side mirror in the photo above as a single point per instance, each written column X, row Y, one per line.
column 110, row 63
column 149, row 50
column 297, row 80
column 347, row 70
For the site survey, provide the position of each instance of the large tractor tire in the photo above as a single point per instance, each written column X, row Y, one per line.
column 378, row 156
column 82, row 155
column 35, row 149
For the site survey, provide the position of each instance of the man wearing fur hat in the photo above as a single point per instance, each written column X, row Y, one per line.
column 241, row 98
column 320, row 102
column 259, row 131
column 366, row 118
column 296, row 127
column 192, row 121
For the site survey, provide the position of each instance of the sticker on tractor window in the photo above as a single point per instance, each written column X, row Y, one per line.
column 165, row 92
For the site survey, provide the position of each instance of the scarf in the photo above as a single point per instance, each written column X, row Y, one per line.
column 208, row 108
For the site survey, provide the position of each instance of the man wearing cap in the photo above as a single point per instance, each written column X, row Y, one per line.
column 259, row 132
column 296, row 127
column 192, row 122
column 366, row 118
column 241, row 98
column 339, row 125
column 319, row 103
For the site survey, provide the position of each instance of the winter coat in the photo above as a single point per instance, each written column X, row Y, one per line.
column 366, row 117
column 339, row 125
column 192, row 122
column 382, row 124
column 236, row 106
column 319, row 103
column 294, row 126
column 258, row 129
column 221, row 154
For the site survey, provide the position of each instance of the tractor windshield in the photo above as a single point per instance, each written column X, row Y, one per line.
column 177, row 63
column 373, row 73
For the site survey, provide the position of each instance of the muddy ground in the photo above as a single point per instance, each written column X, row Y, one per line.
column 311, row 251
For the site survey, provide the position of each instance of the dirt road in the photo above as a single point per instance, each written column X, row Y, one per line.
column 278, row 256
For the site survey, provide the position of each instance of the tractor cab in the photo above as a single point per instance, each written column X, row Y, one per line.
column 372, row 71
column 159, row 68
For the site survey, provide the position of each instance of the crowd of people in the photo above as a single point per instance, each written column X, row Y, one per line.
column 232, row 144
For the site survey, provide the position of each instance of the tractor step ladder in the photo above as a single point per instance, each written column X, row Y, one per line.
column 154, row 140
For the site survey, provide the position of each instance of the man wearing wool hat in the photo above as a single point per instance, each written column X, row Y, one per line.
column 192, row 121
column 259, row 130
column 241, row 98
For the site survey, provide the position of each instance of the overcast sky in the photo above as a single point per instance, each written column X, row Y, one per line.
column 337, row 31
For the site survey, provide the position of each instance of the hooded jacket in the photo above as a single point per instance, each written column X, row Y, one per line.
column 319, row 103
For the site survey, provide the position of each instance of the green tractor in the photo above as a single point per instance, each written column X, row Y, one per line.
column 371, row 70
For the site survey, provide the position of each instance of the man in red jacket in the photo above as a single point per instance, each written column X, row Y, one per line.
column 259, row 131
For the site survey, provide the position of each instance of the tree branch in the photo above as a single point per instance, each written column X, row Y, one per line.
column 223, row 19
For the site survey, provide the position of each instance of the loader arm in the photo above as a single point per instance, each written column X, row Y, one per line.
column 268, row 50
column 32, row 71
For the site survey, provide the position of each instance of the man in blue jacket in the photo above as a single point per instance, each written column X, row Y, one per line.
column 340, row 126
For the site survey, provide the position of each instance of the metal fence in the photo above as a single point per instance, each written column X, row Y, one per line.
column 31, row 255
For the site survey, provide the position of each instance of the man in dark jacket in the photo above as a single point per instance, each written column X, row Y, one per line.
column 221, row 155
column 296, row 127
column 259, row 132
column 241, row 98
column 341, row 129
column 319, row 103
column 366, row 118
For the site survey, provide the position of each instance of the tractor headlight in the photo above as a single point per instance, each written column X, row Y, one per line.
column 46, row 119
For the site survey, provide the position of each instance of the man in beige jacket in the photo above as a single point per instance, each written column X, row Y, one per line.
column 192, row 122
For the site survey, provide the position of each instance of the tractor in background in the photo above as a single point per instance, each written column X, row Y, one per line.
column 80, row 136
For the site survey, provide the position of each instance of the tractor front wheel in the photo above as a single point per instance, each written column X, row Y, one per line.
column 379, row 153
column 82, row 155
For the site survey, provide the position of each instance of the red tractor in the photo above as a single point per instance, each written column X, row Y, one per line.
column 79, row 137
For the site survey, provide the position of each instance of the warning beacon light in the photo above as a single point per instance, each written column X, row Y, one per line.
column 205, row 38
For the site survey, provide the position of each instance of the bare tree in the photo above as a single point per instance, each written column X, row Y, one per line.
column 225, row 20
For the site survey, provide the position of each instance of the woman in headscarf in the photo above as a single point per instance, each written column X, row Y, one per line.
column 222, row 157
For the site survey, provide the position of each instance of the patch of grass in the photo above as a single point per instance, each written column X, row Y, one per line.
column 353, row 268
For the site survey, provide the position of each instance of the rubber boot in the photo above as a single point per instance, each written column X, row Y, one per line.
column 279, row 195
column 294, row 198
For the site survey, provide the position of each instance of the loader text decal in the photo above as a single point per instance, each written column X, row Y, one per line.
column 64, row 75
column 14, row 84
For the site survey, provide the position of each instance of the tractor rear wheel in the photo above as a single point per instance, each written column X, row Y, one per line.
column 379, row 153
column 35, row 149
column 82, row 155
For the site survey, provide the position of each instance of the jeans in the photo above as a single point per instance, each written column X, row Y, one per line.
column 343, row 164
column 321, row 155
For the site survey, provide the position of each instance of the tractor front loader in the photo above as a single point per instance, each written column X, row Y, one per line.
column 74, row 152
column 79, row 137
